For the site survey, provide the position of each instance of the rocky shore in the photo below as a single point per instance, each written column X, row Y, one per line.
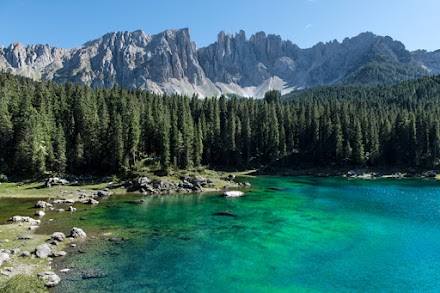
column 363, row 173
column 25, row 252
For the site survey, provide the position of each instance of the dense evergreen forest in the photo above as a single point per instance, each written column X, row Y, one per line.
column 47, row 127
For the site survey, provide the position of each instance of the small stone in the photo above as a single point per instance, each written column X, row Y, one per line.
column 61, row 210
column 72, row 209
column 32, row 228
column 25, row 254
column 64, row 270
column 73, row 245
column 59, row 253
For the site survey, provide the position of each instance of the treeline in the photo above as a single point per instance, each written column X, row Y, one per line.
column 70, row 128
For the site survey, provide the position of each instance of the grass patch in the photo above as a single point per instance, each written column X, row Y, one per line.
column 23, row 284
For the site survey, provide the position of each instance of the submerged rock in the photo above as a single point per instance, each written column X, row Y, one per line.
column 93, row 273
column 225, row 214
column 139, row 201
column 50, row 279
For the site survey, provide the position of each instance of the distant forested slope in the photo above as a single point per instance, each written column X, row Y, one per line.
column 70, row 128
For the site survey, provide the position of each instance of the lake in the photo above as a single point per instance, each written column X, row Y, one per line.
column 288, row 234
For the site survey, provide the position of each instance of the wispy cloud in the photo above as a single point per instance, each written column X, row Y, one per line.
column 307, row 27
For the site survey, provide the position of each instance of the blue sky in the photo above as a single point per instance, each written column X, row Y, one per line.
column 305, row 22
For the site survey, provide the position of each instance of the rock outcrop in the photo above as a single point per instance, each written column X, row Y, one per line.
column 169, row 62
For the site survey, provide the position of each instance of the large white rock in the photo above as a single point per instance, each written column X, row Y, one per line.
column 4, row 257
column 233, row 193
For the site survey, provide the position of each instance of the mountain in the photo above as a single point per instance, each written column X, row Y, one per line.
column 169, row 62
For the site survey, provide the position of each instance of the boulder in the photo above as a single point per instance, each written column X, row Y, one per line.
column 64, row 201
column 161, row 185
column 25, row 254
column 143, row 181
column 50, row 279
column 16, row 219
column 43, row 250
column 233, row 193
column 42, row 204
column 32, row 228
column 199, row 181
column 78, row 233
column 35, row 222
column 61, row 210
column 55, row 181
column 102, row 193
column 91, row 201
column 231, row 177
column 58, row 236
column 40, row 213
column 4, row 257
column 431, row 174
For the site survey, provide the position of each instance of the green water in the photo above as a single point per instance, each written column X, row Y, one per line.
column 309, row 234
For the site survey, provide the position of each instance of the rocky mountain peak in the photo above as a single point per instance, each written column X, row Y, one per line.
column 169, row 62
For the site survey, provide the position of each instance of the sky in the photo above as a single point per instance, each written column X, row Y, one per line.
column 70, row 24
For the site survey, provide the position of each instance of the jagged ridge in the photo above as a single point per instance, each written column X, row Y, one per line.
column 169, row 62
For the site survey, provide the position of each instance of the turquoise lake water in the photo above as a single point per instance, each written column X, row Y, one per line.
column 289, row 234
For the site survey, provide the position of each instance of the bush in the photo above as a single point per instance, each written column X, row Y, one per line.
column 23, row 284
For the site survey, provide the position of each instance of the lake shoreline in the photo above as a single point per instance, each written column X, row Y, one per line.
column 347, row 172
column 72, row 195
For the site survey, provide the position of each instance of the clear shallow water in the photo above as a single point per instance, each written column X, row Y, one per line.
column 311, row 234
